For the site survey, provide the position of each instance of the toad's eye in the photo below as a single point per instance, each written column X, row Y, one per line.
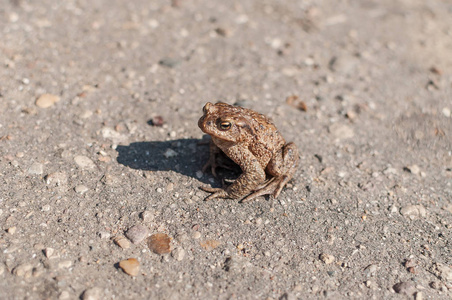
column 225, row 125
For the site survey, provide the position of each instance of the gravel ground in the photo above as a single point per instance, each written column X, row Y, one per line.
column 101, row 156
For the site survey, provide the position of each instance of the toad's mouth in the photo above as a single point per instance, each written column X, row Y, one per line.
column 201, row 124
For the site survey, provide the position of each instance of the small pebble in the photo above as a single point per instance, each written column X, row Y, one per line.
column 170, row 153
column 351, row 115
column 36, row 169
column 137, row 234
column 222, row 31
column 94, row 293
column 418, row 296
column 12, row 230
column 130, row 266
column 81, row 189
column 56, row 179
column 196, row 235
column 122, row 242
column 341, row 131
column 64, row 295
column 49, row 252
column 47, row 100
column 86, row 114
column 410, row 263
column 169, row 62
column 413, row 211
column 147, row 216
column 441, row 271
column 38, row 246
column 326, row 258
column 45, row 208
column 113, row 135
column 84, row 162
column 393, row 209
column 414, row 169
column 157, row 121
column 405, row 288
column 159, row 243
column 65, row 264
column 13, row 17
column 153, row 23
column 436, row 285
column 209, row 245
column 371, row 270
column 446, row 112
column 23, row 270
column 178, row 254
column 104, row 235
column 390, row 171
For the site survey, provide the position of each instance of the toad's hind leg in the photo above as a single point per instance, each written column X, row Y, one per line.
column 282, row 167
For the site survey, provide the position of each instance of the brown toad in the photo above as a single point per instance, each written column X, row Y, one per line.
column 252, row 141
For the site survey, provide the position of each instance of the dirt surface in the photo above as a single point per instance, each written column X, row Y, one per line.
column 364, row 88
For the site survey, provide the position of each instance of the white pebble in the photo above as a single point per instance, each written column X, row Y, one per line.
column 65, row 264
column 86, row 114
column 196, row 235
column 36, row 169
column 49, row 252
column 147, row 216
column 84, row 162
column 105, row 235
column 413, row 211
column 45, row 208
column 23, row 270
column 81, row 189
column 47, row 100
column 414, row 169
column 153, row 23
column 178, row 254
column 326, row 258
column 94, row 293
column 64, row 295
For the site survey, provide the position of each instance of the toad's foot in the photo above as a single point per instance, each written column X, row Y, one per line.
column 272, row 187
column 217, row 193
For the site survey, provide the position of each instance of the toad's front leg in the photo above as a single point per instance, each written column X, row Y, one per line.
column 253, row 175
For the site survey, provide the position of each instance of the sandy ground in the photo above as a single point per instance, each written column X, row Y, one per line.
column 100, row 149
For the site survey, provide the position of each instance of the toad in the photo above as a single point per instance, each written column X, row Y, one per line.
column 252, row 141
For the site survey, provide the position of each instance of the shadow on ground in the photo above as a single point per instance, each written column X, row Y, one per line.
column 184, row 156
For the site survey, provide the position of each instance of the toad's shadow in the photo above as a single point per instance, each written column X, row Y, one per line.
column 184, row 156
